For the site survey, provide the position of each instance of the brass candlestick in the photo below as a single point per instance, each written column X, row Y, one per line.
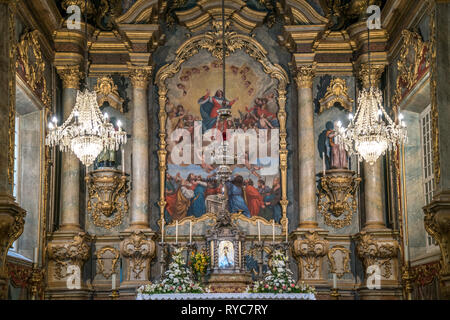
column 115, row 294
column 335, row 293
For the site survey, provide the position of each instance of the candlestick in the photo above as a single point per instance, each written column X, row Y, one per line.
column 357, row 160
column 259, row 231
column 334, row 281
column 162, row 231
column 287, row 226
column 273, row 230
column 113, row 280
column 176, row 232
column 36, row 255
column 123, row 160
column 323, row 164
column 190, row 231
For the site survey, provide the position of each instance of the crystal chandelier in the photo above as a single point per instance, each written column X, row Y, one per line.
column 86, row 132
column 371, row 131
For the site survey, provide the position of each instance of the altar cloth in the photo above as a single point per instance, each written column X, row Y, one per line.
column 227, row 296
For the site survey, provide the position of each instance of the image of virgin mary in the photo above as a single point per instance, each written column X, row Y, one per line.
column 209, row 107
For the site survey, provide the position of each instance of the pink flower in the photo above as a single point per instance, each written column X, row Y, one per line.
column 274, row 288
column 292, row 285
column 179, row 288
column 266, row 286
column 284, row 286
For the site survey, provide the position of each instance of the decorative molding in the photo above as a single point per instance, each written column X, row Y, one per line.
column 140, row 251
column 211, row 41
column 336, row 198
column 31, row 65
column 339, row 267
column 107, row 197
column 337, row 92
column 305, row 76
column 309, row 252
column 71, row 76
column 101, row 263
column 140, row 76
column 377, row 252
column 107, row 91
column 75, row 252
column 12, row 7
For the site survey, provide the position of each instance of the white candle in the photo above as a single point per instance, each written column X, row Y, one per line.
column 176, row 232
column 113, row 280
column 287, row 232
column 259, row 231
column 334, row 281
column 190, row 231
column 162, row 231
column 323, row 163
column 36, row 255
column 123, row 160
column 273, row 230
column 357, row 160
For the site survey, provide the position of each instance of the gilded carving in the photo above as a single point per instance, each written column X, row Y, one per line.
column 309, row 252
column 336, row 200
column 377, row 252
column 212, row 42
column 140, row 251
column 140, row 75
column 107, row 91
column 337, row 92
column 11, row 89
column 75, row 252
column 70, row 76
column 339, row 258
column 370, row 75
column 31, row 65
column 305, row 76
column 107, row 202
column 101, row 264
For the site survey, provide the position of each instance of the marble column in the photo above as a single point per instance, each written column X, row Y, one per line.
column 12, row 217
column 373, row 178
column 306, row 155
column 70, row 171
column 140, row 76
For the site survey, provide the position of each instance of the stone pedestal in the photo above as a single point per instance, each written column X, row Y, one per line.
column 379, row 252
column 437, row 224
column 138, row 248
column 67, row 253
column 229, row 283
column 310, row 249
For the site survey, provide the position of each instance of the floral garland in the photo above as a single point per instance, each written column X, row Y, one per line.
column 177, row 279
column 279, row 278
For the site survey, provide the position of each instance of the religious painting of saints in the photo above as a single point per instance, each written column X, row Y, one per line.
column 226, row 254
column 194, row 130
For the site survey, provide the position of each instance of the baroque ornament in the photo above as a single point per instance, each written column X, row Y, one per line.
column 339, row 258
column 140, row 251
column 107, row 201
column 101, row 263
column 337, row 201
column 309, row 251
column 337, row 92
column 107, row 91
column 305, row 76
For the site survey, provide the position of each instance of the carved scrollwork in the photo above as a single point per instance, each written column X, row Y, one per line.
column 336, row 201
column 337, row 92
column 101, row 263
column 107, row 91
column 74, row 253
column 107, row 201
column 339, row 258
column 309, row 251
column 140, row 251
column 377, row 252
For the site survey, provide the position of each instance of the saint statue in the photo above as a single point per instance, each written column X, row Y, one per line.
column 335, row 151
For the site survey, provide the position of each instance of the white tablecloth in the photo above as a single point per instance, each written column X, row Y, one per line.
column 227, row 296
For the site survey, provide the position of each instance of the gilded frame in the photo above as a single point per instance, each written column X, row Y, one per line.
column 210, row 41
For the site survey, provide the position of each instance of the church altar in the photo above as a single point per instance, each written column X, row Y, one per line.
column 227, row 296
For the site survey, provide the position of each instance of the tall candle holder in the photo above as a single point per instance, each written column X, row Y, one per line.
column 163, row 257
column 259, row 246
column 335, row 293
column 115, row 294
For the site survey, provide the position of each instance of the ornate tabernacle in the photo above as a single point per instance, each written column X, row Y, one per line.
column 225, row 245
column 337, row 201
column 107, row 202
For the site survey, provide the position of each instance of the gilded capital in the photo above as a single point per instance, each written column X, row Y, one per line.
column 370, row 75
column 305, row 76
column 140, row 76
column 71, row 76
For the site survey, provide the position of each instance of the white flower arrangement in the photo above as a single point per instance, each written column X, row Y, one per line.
column 279, row 279
column 177, row 279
